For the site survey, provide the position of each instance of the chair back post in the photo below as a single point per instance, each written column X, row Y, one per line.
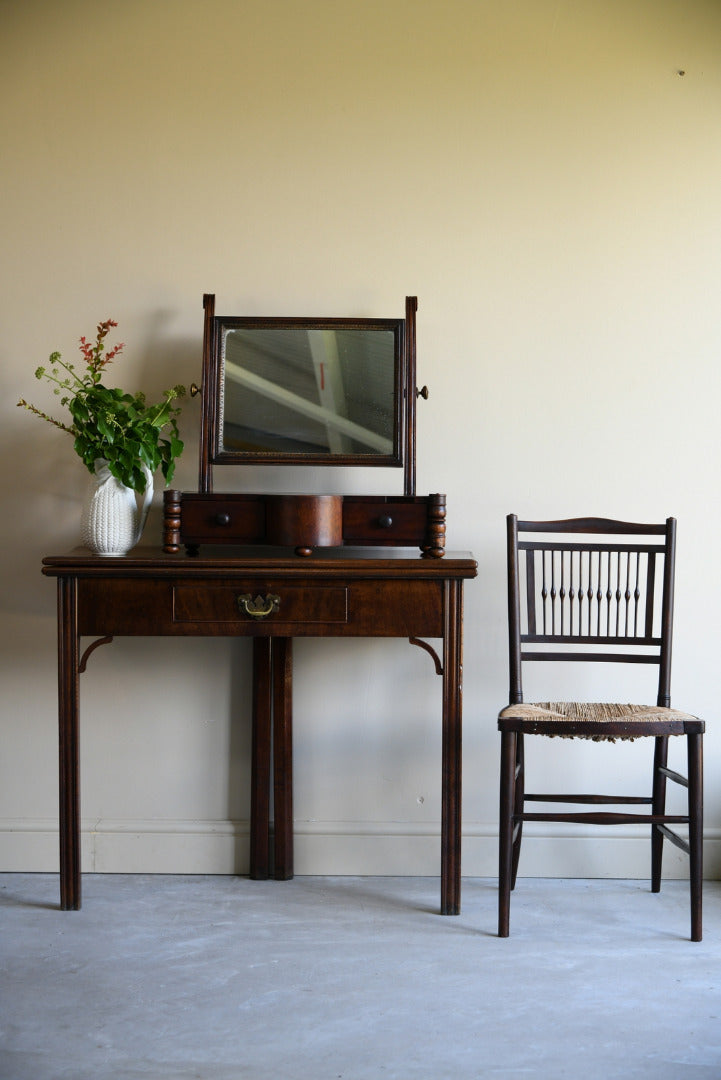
column 515, row 692
column 664, row 667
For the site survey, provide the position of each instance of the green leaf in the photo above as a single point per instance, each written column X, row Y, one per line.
column 105, row 428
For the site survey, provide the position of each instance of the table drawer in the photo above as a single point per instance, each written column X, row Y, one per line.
column 251, row 602
column 371, row 608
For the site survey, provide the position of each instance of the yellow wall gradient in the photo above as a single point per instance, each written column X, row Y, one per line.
column 544, row 179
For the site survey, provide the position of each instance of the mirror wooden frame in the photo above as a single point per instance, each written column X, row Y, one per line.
column 212, row 452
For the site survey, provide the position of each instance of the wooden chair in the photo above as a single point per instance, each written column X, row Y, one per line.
column 589, row 590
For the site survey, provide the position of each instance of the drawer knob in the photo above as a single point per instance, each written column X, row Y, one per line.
column 385, row 522
column 223, row 518
column 258, row 607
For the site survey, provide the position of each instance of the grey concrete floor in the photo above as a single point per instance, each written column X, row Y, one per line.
column 222, row 978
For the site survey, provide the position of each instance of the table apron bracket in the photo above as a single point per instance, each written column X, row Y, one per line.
column 431, row 652
column 91, row 648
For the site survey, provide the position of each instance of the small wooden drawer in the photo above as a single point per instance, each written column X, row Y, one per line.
column 253, row 602
column 390, row 521
column 223, row 519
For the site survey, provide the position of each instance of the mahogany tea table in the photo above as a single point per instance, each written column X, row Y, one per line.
column 272, row 596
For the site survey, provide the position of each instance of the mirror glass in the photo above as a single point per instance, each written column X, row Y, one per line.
column 329, row 390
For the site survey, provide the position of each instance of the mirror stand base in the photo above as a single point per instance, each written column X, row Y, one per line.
column 304, row 522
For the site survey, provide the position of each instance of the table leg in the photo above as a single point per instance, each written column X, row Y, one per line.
column 282, row 662
column 260, row 760
column 451, row 750
column 68, row 739
column 272, row 720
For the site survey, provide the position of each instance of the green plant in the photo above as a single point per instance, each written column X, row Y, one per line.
column 108, row 423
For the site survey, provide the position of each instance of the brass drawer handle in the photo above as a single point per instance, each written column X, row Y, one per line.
column 258, row 607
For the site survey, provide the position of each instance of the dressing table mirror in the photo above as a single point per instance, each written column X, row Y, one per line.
column 312, row 392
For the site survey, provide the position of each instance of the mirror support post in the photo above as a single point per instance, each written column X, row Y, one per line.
column 208, row 417
column 409, row 457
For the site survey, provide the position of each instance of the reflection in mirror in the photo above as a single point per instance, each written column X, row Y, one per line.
column 308, row 390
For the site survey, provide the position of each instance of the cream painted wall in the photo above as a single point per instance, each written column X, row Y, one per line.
column 547, row 183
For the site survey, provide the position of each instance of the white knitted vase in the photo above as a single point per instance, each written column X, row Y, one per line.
column 111, row 523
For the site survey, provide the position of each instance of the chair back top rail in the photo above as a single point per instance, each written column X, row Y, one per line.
column 591, row 525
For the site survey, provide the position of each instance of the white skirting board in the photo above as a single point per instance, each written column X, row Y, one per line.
column 352, row 848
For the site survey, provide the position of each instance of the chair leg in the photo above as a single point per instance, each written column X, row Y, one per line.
column 695, row 831
column 660, row 760
column 518, row 806
column 505, row 845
